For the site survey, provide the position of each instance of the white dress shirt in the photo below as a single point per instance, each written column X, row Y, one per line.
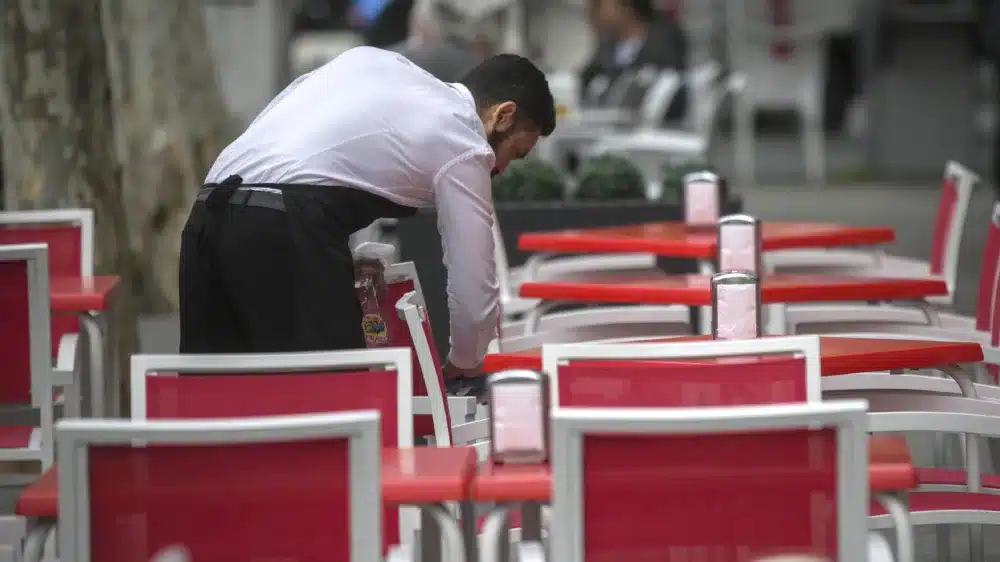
column 372, row 120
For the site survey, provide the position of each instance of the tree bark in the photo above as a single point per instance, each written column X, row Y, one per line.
column 113, row 105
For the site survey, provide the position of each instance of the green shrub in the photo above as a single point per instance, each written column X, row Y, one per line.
column 610, row 177
column 529, row 180
column 673, row 179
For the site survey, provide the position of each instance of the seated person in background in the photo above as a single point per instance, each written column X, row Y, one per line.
column 633, row 48
column 382, row 22
column 440, row 43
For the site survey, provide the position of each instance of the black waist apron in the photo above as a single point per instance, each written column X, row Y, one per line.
column 268, row 267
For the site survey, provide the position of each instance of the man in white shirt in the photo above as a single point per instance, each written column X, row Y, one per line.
column 265, row 263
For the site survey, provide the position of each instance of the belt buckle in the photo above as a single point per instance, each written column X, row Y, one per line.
column 241, row 196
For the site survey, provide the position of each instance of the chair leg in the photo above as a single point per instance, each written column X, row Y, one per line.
column 814, row 148
column 744, row 149
column 34, row 542
column 943, row 540
column 977, row 549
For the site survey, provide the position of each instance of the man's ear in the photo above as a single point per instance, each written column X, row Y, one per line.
column 505, row 113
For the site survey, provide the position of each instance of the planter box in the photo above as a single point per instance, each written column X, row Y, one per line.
column 419, row 240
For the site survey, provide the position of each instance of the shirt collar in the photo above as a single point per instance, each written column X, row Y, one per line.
column 471, row 101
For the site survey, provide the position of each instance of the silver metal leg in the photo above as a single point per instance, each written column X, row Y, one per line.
column 895, row 505
column 34, row 541
column 94, row 382
column 531, row 521
column 430, row 536
column 467, row 513
column 705, row 267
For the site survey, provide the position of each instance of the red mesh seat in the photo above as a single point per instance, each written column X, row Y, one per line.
column 401, row 280
column 25, row 358
column 65, row 237
column 655, row 488
column 235, row 496
column 315, row 385
column 684, row 374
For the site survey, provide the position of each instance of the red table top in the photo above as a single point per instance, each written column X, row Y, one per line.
column 676, row 239
column 890, row 468
column 80, row 294
column 409, row 477
column 696, row 290
column 838, row 356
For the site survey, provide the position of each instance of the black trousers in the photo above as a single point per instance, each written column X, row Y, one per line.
column 275, row 278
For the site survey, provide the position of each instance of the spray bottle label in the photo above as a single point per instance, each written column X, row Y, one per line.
column 375, row 330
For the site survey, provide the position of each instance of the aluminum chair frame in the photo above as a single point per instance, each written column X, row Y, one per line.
column 807, row 346
column 569, row 426
column 362, row 428
column 68, row 343
column 460, row 407
column 84, row 218
column 398, row 359
column 43, row 376
column 843, row 315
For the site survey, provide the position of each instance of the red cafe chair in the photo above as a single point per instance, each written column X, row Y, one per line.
column 704, row 475
column 221, row 490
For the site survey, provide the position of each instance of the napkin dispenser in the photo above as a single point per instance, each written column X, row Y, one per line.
column 736, row 309
column 519, row 417
column 701, row 199
column 739, row 244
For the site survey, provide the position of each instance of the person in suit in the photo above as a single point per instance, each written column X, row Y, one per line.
column 383, row 22
column 633, row 47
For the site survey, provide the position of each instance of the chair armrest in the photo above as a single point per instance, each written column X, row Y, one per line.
column 66, row 356
column 532, row 551
column 399, row 553
column 878, row 549
column 466, row 433
column 459, row 407
column 566, row 266
column 654, row 141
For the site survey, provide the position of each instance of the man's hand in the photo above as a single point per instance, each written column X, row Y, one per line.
column 464, row 382
column 450, row 371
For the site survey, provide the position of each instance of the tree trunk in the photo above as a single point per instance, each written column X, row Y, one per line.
column 113, row 105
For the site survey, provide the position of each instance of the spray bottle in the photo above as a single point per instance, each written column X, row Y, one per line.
column 370, row 261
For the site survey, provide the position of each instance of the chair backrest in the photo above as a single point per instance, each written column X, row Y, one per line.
column 221, row 489
column 401, row 279
column 25, row 353
column 415, row 333
column 658, row 97
column 428, row 375
column 69, row 234
column 987, row 289
column 710, row 472
column 258, row 385
column 949, row 221
column 701, row 22
column 779, row 46
column 683, row 374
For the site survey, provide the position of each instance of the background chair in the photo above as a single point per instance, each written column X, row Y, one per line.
column 781, row 55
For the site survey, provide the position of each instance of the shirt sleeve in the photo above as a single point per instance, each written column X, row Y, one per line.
column 464, row 200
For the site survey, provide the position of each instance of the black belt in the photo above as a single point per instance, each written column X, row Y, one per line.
column 234, row 192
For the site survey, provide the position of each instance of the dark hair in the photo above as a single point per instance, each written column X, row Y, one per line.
column 504, row 78
column 643, row 9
